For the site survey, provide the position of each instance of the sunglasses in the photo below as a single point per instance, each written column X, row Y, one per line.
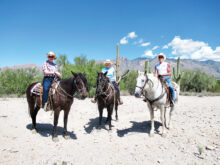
column 160, row 57
column 50, row 57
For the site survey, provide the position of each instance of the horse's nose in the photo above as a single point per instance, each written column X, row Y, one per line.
column 137, row 95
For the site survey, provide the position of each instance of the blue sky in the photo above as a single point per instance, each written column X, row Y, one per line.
column 143, row 28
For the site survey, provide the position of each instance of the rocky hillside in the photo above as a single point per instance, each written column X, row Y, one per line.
column 209, row 67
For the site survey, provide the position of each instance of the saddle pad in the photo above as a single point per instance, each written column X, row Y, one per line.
column 36, row 89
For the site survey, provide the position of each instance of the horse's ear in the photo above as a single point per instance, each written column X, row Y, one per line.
column 105, row 73
column 84, row 74
column 97, row 72
column 74, row 74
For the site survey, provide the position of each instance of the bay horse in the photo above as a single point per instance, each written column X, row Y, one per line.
column 156, row 96
column 61, row 100
column 107, row 97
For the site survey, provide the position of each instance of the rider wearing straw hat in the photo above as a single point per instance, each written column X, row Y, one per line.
column 50, row 72
column 163, row 71
column 111, row 75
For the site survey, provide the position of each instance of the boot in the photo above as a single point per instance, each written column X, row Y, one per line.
column 120, row 102
column 46, row 107
column 172, row 103
column 94, row 100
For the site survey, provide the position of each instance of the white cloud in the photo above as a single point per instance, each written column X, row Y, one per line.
column 140, row 41
column 189, row 49
column 145, row 44
column 148, row 53
column 165, row 47
column 130, row 35
column 124, row 40
column 155, row 47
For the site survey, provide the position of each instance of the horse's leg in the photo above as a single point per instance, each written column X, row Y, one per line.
column 162, row 112
column 152, row 119
column 34, row 112
column 66, row 113
column 116, row 111
column 100, row 116
column 56, row 117
column 110, row 110
column 170, row 115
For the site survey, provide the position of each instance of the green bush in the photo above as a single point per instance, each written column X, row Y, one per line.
column 197, row 81
column 129, row 82
column 17, row 81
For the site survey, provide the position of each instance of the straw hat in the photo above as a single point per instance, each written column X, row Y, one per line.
column 161, row 55
column 107, row 62
column 51, row 54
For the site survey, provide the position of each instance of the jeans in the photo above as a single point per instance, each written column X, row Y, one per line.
column 116, row 87
column 170, row 85
column 46, row 87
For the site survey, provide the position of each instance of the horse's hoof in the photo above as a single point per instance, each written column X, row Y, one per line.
column 55, row 139
column 164, row 135
column 151, row 134
column 99, row 127
column 34, row 131
column 66, row 137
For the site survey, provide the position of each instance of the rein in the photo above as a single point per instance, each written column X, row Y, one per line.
column 67, row 94
column 151, row 101
column 105, row 93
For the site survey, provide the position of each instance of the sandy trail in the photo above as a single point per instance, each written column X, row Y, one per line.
column 196, row 122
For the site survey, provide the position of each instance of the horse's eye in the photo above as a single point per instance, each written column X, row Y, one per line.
column 142, row 80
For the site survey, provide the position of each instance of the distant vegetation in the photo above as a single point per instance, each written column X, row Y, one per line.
column 15, row 82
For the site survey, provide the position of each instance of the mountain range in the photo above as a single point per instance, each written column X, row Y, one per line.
column 210, row 67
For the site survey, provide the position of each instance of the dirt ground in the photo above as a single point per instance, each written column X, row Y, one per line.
column 196, row 129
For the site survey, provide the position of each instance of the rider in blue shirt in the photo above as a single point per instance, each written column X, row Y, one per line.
column 111, row 75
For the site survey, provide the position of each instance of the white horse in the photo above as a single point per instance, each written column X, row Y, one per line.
column 155, row 94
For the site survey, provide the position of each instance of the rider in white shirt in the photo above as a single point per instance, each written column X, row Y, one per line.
column 163, row 71
column 111, row 75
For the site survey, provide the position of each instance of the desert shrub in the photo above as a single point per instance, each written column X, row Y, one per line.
column 17, row 81
column 197, row 81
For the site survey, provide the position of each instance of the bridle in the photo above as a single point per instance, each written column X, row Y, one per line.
column 145, row 83
column 78, row 89
column 151, row 101
column 67, row 94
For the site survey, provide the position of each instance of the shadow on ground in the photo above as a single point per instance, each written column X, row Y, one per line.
column 94, row 123
column 46, row 130
column 140, row 127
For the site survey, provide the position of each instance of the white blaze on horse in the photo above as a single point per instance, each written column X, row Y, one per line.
column 156, row 96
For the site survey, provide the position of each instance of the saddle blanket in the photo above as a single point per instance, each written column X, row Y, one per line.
column 38, row 87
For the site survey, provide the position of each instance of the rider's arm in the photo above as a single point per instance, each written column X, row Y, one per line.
column 156, row 72
column 57, row 73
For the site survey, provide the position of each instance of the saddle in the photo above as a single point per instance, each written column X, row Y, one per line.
column 37, row 89
column 167, row 88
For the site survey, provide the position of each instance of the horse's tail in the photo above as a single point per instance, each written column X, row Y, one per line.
column 177, row 92
column 29, row 97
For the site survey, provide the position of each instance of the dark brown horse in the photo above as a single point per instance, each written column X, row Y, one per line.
column 107, row 97
column 61, row 100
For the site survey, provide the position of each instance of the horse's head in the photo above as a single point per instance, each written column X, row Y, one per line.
column 140, row 82
column 144, row 82
column 102, row 82
column 80, row 83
